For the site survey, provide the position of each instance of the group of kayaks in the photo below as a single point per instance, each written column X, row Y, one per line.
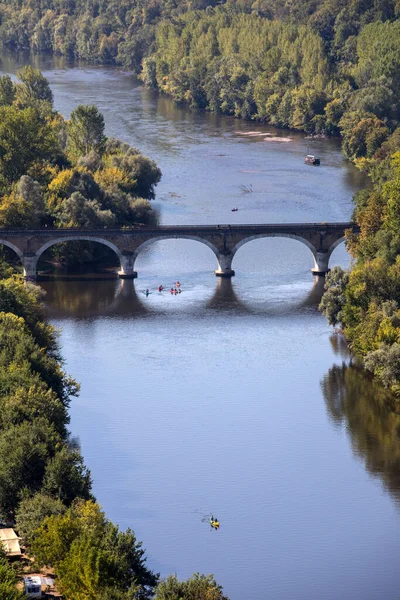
column 173, row 291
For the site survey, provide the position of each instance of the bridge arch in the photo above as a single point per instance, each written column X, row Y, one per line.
column 30, row 261
column 80, row 238
column 278, row 235
column 161, row 238
column 336, row 244
column 13, row 247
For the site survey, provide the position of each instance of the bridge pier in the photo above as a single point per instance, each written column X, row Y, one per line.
column 127, row 271
column 225, row 266
column 321, row 260
column 29, row 264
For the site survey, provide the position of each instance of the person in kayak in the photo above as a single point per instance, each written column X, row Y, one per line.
column 160, row 288
column 147, row 292
column 214, row 523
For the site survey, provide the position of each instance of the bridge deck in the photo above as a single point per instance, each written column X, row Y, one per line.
column 253, row 228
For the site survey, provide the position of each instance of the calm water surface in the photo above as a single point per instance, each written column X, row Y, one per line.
column 233, row 397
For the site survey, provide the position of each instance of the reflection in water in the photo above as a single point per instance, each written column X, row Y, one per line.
column 225, row 297
column 353, row 399
column 84, row 298
column 314, row 297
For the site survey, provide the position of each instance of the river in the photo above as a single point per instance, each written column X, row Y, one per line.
column 233, row 398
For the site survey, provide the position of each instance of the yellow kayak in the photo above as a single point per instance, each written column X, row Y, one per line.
column 214, row 524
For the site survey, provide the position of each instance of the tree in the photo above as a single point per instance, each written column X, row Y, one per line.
column 34, row 87
column 8, row 581
column 30, row 192
column 24, row 207
column 25, row 140
column 27, row 402
column 86, row 131
column 334, row 297
column 7, row 91
column 385, row 363
column 197, row 587
column 66, row 477
column 363, row 134
column 32, row 512
column 141, row 173
column 22, row 466
column 77, row 211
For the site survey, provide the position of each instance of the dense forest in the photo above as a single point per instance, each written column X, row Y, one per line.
column 318, row 66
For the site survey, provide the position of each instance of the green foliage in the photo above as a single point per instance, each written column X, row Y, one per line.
column 77, row 211
column 86, row 131
column 366, row 301
column 197, row 587
column 24, row 452
column 66, row 477
column 7, row 91
column 33, row 87
column 8, row 581
column 25, row 301
column 25, row 140
column 65, row 174
column 301, row 64
column 385, row 363
column 34, row 394
column 55, row 173
column 32, row 511
column 91, row 556
column 334, row 298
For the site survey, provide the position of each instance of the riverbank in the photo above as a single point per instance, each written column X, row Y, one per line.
column 47, row 466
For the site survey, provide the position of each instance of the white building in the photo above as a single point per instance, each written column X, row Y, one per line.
column 10, row 542
column 33, row 586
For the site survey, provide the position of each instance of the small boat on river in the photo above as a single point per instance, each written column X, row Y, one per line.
column 310, row 159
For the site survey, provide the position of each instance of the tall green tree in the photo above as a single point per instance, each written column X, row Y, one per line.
column 33, row 87
column 25, row 140
column 86, row 131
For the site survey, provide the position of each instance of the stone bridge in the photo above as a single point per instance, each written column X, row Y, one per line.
column 223, row 240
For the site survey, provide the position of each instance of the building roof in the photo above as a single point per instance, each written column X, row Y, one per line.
column 33, row 579
column 10, row 542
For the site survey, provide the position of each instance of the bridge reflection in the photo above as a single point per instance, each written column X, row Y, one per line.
column 82, row 298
